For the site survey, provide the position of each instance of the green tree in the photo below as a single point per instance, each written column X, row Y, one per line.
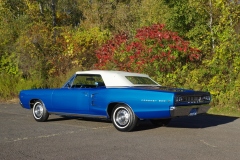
column 211, row 26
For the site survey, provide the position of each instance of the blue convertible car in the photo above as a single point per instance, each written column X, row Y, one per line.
column 123, row 97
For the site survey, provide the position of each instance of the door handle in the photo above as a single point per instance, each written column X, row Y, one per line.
column 92, row 95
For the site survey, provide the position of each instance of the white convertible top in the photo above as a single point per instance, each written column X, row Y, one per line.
column 116, row 78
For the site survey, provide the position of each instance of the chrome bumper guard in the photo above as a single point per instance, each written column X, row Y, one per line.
column 177, row 111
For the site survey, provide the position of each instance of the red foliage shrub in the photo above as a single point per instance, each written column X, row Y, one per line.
column 152, row 49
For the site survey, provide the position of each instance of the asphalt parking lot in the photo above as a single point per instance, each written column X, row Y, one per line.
column 205, row 137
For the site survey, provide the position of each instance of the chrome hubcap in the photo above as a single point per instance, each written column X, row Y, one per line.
column 122, row 117
column 38, row 111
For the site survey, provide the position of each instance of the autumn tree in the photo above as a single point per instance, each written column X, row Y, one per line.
column 153, row 50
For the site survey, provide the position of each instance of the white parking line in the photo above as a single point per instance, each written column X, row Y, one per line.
column 55, row 134
column 208, row 144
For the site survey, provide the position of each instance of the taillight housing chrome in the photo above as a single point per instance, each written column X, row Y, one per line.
column 192, row 99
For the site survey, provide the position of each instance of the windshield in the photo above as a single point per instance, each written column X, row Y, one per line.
column 136, row 80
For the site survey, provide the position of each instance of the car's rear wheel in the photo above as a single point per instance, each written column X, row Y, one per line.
column 40, row 113
column 160, row 122
column 123, row 118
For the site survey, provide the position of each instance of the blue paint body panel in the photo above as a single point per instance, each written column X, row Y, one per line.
column 146, row 102
column 95, row 101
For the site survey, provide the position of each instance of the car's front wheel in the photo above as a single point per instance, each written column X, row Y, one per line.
column 40, row 113
column 123, row 118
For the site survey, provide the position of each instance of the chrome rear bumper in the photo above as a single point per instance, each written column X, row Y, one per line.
column 177, row 111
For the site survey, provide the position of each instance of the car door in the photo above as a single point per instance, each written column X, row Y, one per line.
column 75, row 96
column 71, row 100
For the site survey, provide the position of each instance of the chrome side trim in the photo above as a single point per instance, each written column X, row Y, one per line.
column 177, row 111
column 79, row 115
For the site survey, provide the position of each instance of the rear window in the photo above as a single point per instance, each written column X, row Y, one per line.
column 141, row 80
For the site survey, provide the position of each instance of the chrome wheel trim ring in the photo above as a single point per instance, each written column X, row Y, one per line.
column 38, row 110
column 121, row 117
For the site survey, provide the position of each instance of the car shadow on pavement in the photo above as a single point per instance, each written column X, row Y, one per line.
column 64, row 118
column 199, row 121
column 60, row 118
